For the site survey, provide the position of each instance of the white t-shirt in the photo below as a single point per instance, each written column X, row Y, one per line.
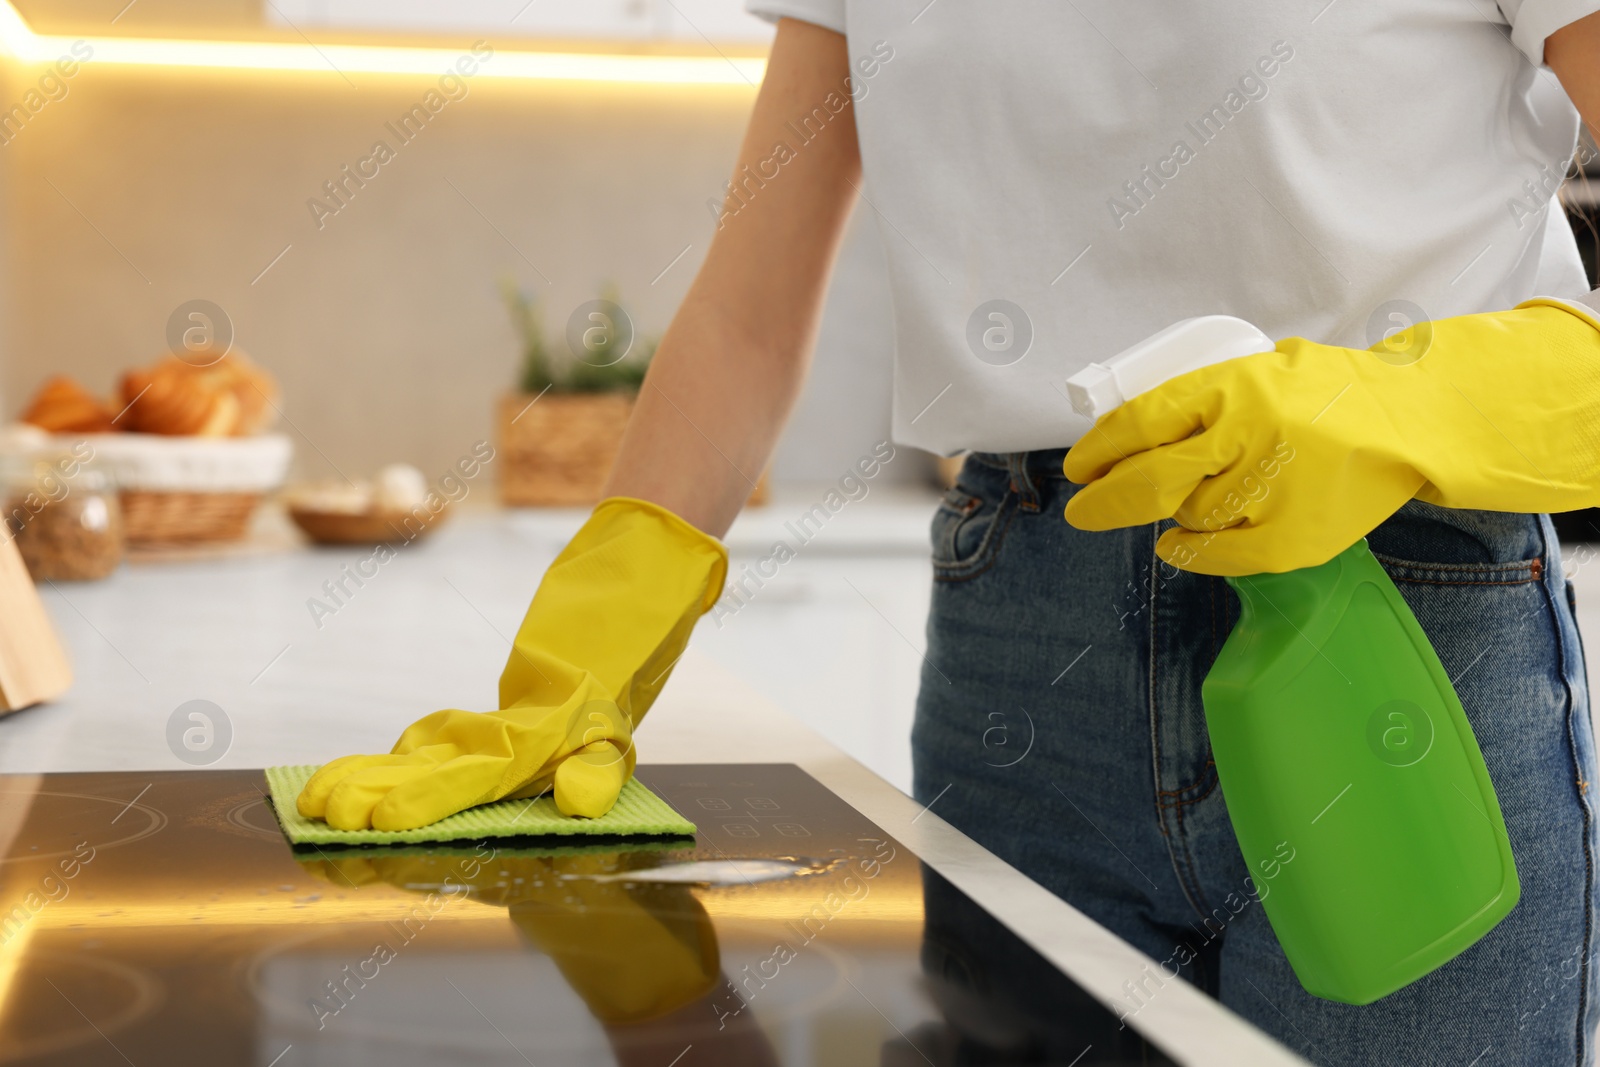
column 1056, row 181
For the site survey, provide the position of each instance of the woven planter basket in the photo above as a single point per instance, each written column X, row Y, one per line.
column 558, row 451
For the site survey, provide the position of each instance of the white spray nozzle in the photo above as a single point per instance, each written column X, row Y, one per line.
column 1180, row 348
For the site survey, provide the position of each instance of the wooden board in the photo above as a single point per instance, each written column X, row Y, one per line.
column 33, row 665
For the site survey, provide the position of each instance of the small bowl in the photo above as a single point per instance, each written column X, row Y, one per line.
column 365, row 527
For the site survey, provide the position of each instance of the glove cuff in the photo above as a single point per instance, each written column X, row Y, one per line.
column 1574, row 307
column 693, row 540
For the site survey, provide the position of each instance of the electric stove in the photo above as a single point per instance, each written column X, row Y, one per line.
column 162, row 918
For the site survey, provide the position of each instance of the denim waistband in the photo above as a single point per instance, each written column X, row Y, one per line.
column 1046, row 462
column 1417, row 531
column 1029, row 472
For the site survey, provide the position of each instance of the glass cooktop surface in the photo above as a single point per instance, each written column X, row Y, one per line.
column 162, row 918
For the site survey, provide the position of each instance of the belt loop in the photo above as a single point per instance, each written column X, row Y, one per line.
column 1021, row 482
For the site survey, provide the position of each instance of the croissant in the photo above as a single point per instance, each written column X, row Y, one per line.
column 254, row 389
column 164, row 401
column 232, row 396
column 63, row 406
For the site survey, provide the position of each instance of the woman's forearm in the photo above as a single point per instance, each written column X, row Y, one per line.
column 733, row 361
column 707, row 418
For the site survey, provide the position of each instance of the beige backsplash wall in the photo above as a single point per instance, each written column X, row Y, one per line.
column 141, row 190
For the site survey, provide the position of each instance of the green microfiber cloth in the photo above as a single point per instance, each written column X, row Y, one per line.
column 615, row 846
column 637, row 811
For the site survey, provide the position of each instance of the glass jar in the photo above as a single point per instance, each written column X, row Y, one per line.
column 64, row 518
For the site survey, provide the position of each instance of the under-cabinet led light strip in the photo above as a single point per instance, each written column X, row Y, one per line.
column 19, row 39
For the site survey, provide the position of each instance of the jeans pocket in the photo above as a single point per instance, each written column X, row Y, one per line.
column 1514, row 572
column 967, row 530
column 1489, row 623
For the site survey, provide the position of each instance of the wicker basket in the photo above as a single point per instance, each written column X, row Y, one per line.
column 557, row 450
column 188, row 490
column 168, row 516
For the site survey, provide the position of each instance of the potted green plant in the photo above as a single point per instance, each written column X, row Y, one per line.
column 559, row 431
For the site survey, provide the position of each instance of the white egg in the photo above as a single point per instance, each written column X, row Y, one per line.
column 400, row 487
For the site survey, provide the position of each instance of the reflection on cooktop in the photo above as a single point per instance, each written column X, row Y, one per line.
column 162, row 918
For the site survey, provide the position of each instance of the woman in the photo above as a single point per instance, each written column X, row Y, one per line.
column 1052, row 183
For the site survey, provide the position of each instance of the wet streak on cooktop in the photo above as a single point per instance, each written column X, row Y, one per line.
column 162, row 919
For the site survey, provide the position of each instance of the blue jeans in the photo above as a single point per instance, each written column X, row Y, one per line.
column 1060, row 725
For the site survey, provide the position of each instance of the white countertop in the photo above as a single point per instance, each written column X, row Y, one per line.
column 431, row 630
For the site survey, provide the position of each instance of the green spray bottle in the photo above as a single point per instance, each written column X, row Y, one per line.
column 1338, row 735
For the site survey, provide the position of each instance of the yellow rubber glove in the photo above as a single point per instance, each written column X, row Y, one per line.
column 1283, row 459
column 611, row 617
column 633, row 951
